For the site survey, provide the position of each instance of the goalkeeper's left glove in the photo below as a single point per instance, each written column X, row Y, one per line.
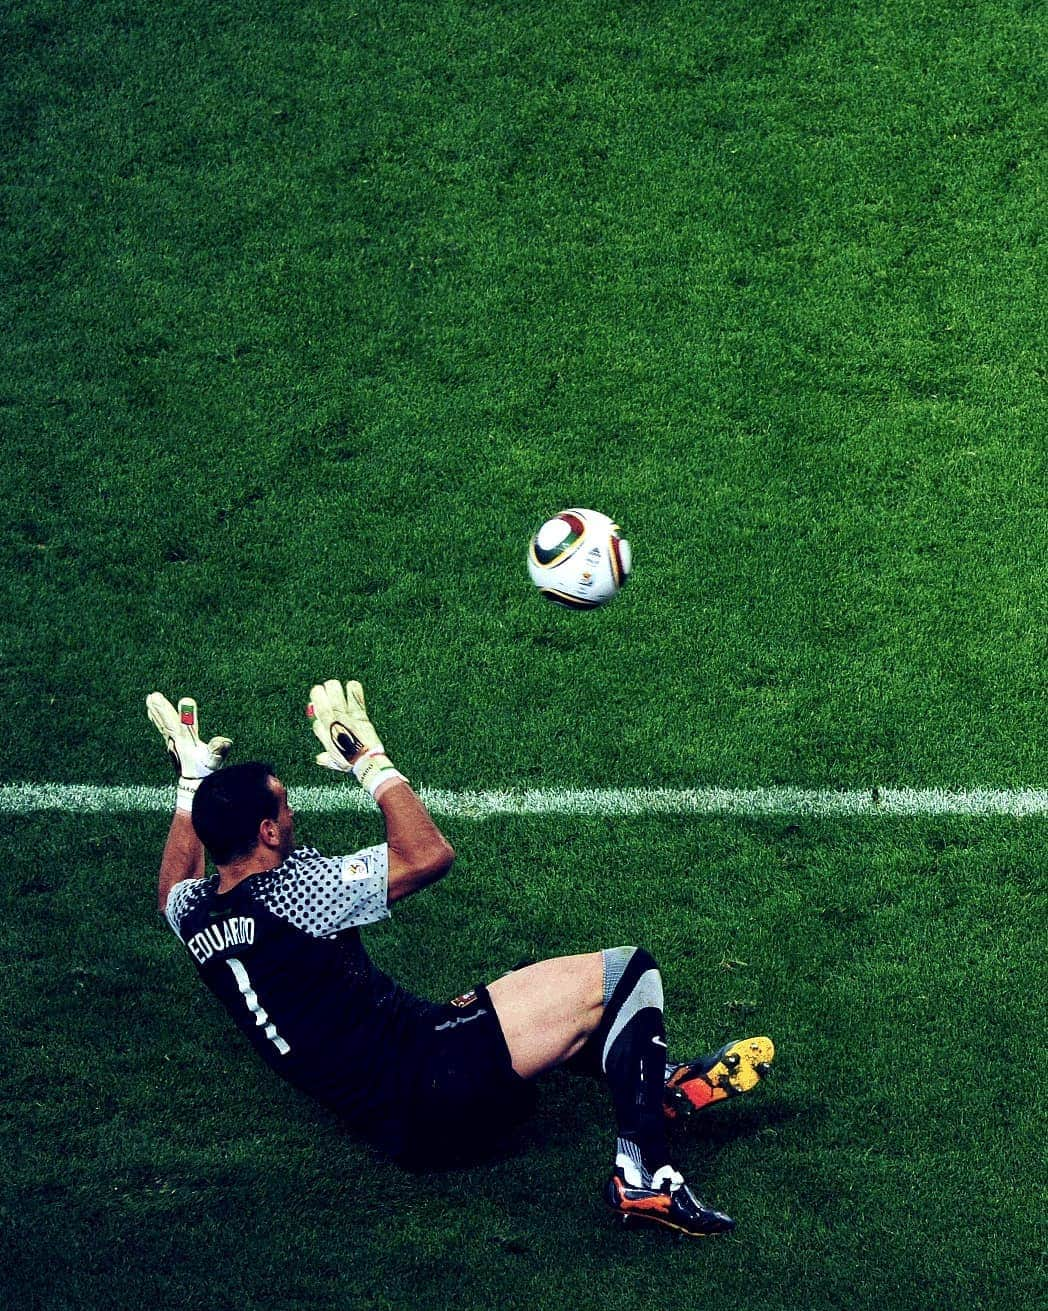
column 192, row 759
column 340, row 721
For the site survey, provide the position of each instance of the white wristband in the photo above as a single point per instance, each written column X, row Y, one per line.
column 374, row 769
column 186, row 792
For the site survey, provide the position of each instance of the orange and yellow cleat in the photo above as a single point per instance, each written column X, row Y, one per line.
column 668, row 1202
column 736, row 1068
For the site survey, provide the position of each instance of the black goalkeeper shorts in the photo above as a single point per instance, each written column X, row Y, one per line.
column 465, row 1093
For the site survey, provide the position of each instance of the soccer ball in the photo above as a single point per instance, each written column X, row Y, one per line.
column 579, row 559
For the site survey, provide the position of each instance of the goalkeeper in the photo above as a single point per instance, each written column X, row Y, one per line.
column 274, row 932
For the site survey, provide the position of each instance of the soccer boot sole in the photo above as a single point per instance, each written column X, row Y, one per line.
column 737, row 1068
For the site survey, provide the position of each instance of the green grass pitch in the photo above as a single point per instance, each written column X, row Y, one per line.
column 312, row 313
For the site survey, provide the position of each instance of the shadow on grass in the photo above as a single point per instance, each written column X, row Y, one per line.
column 572, row 1115
column 722, row 1126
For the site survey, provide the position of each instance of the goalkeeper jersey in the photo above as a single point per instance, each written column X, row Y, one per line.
column 282, row 952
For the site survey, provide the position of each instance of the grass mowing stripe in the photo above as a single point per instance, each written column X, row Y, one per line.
column 747, row 803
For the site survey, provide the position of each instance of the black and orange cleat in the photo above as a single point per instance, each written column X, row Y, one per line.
column 736, row 1068
column 667, row 1202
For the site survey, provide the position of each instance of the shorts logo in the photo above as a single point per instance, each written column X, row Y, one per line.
column 467, row 999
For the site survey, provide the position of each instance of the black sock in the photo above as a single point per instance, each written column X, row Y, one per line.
column 632, row 1045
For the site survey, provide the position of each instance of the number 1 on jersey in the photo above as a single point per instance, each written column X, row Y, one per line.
column 254, row 1006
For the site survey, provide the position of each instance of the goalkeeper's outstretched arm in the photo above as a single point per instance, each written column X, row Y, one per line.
column 192, row 760
column 183, row 857
column 419, row 853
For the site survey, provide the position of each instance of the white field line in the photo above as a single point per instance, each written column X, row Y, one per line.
column 746, row 803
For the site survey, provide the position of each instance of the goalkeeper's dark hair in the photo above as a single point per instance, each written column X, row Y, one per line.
column 229, row 806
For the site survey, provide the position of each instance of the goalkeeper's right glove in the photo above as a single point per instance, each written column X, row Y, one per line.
column 340, row 721
column 192, row 759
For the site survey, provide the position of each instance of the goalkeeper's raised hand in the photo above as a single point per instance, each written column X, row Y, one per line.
column 351, row 745
column 192, row 759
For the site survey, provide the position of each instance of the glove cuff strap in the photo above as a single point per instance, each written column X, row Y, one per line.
column 186, row 792
column 375, row 768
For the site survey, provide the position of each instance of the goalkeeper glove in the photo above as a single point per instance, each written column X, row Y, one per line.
column 340, row 721
column 192, row 759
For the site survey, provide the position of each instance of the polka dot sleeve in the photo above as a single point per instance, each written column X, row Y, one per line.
column 182, row 898
column 325, row 894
